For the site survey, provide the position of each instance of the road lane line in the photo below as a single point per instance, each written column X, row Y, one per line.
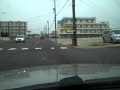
column 24, row 48
column 38, row 48
column 52, row 47
column 63, row 47
column 1, row 48
column 11, row 48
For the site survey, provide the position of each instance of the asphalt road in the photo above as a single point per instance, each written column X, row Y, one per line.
column 36, row 52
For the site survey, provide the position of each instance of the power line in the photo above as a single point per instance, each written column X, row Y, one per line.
column 38, row 17
column 105, row 11
column 51, row 24
column 117, row 3
column 62, row 7
column 100, row 11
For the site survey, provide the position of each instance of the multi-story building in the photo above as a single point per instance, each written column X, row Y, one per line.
column 85, row 27
column 13, row 28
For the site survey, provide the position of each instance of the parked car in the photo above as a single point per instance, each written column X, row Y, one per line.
column 20, row 38
column 111, row 36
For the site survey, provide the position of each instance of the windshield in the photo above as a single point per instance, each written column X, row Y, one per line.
column 116, row 31
column 19, row 36
column 40, row 39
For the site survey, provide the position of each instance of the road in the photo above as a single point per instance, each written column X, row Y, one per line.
column 36, row 52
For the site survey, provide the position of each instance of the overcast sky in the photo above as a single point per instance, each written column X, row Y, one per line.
column 37, row 12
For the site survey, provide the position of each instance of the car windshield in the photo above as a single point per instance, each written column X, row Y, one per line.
column 19, row 36
column 116, row 31
column 45, row 40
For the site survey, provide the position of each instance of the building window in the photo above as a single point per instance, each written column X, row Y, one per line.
column 80, row 31
column 77, row 26
column 80, row 26
column 80, row 21
column 61, row 31
column 86, row 21
column 91, row 26
column 94, row 31
column 71, row 21
column 91, row 21
column 86, row 26
column 66, row 21
column 76, row 21
column 84, row 31
column 105, row 26
column 60, row 26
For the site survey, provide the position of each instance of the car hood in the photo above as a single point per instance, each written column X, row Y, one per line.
column 54, row 73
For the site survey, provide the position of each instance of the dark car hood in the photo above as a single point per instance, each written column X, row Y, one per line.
column 54, row 73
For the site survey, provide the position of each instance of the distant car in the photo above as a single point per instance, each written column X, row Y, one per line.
column 42, row 37
column 111, row 36
column 20, row 38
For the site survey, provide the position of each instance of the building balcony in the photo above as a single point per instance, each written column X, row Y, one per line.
column 89, row 28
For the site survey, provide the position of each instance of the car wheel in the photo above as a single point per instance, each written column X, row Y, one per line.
column 104, row 40
column 112, row 41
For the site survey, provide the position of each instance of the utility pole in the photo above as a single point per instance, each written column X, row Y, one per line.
column 0, row 26
column 45, row 30
column 74, row 24
column 48, row 28
column 54, row 9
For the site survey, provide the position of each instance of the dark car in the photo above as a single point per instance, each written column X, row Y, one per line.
column 42, row 37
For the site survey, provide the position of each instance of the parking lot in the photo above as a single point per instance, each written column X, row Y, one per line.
column 95, row 42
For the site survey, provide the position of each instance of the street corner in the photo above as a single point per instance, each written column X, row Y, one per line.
column 97, row 45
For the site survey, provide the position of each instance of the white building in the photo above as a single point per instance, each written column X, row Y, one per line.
column 13, row 28
column 85, row 27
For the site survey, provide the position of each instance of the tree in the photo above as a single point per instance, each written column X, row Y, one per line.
column 6, row 34
column 2, row 34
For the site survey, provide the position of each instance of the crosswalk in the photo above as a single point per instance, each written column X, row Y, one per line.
column 36, row 48
column 11, row 48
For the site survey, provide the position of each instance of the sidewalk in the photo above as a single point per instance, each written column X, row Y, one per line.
column 4, row 39
column 87, row 43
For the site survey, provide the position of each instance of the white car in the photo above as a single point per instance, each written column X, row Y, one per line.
column 111, row 36
column 20, row 38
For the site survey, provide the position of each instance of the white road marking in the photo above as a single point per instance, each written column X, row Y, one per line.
column 38, row 48
column 1, row 48
column 63, row 47
column 52, row 47
column 28, row 48
column 11, row 48
column 24, row 48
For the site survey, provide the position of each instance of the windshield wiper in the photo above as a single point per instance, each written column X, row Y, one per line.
column 76, row 83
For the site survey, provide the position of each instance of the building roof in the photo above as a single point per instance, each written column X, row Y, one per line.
column 80, row 18
column 12, row 21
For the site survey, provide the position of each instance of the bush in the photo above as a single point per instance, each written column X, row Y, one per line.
column 4, row 34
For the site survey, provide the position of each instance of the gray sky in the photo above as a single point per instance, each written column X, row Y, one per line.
column 37, row 12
